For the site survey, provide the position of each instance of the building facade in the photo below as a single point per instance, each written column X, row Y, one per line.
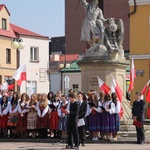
column 8, row 55
column 35, row 55
column 140, row 42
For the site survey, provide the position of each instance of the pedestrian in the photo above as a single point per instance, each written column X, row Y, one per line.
column 72, row 128
column 82, row 113
column 138, row 117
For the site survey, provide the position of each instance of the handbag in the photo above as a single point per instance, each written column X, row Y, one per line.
column 138, row 124
column 14, row 119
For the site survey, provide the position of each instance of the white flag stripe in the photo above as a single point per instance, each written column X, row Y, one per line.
column 18, row 72
column 100, row 81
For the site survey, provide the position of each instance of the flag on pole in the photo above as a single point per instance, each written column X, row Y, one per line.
column 20, row 74
column 117, row 89
column 5, row 86
column 132, row 75
column 145, row 87
column 148, row 95
column 148, row 112
column 11, row 86
column 103, row 86
column 121, row 113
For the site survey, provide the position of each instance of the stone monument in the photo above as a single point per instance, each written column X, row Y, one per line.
column 105, row 57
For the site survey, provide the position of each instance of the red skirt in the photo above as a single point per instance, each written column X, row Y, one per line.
column 22, row 123
column 4, row 121
column 54, row 120
column 43, row 123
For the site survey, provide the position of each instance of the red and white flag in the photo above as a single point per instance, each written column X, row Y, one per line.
column 103, row 86
column 117, row 89
column 148, row 95
column 132, row 76
column 10, row 87
column 20, row 74
column 5, row 86
column 145, row 87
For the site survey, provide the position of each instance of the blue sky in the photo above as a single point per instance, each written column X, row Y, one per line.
column 45, row 17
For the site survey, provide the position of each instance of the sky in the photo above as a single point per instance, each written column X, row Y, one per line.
column 45, row 17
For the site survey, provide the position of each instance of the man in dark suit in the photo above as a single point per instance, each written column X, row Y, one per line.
column 82, row 113
column 72, row 128
column 138, row 116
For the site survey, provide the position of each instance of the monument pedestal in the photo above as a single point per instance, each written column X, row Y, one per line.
column 104, row 68
column 91, row 68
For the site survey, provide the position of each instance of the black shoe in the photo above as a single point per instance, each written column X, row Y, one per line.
column 75, row 147
column 69, row 147
column 83, row 144
column 142, row 142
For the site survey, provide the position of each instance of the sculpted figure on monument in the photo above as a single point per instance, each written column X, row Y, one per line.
column 105, row 36
column 92, row 27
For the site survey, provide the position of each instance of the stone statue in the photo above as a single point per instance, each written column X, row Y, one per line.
column 105, row 36
column 92, row 27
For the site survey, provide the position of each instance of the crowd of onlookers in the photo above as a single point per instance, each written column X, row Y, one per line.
column 44, row 115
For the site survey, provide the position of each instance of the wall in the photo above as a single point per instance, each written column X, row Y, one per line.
column 33, row 68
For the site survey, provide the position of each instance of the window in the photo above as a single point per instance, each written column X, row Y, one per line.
column 8, row 56
column 4, row 25
column 34, row 54
column 9, row 79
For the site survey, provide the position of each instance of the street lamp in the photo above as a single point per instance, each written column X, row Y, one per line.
column 65, row 66
column 17, row 43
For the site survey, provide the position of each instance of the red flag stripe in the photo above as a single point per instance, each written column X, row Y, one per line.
column 145, row 87
column 132, row 76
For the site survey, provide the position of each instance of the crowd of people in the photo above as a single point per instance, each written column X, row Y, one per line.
column 54, row 115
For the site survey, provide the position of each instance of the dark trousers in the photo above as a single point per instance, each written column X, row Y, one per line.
column 73, row 134
column 81, row 131
column 140, row 134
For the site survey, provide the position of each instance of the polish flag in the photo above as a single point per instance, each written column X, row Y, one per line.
column 20, row 74
column 103, row 87
column 10, row 87
column 132, row 76
column 148, row 113
column 121, row 113
column 117, row 89
column 148, row 95
column 5, row 86
column 145, row 87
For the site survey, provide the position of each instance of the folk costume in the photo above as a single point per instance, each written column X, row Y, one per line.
column 4, row 117
column 22, row 118
column 43, row 118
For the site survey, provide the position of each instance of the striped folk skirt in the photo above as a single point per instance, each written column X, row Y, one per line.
column 32, row 120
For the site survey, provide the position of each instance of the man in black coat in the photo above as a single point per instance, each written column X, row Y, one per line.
column 138, row 116
column 72, row 128
column 82, row 113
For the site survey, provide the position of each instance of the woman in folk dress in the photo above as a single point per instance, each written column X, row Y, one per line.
column 43, row 116
column 108, row 119
column 54, row 115
column 4, row 107
column 93, row 112
column 62, row 116
column 22, row 115
column 32, row 115
column 13, row 114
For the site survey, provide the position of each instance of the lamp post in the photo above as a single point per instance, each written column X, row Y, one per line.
column 18, row 44
column 65, row 66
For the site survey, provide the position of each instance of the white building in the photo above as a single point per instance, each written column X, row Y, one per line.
column 35, row 55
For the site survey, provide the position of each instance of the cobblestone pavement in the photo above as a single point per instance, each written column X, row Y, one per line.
column 60, row 146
